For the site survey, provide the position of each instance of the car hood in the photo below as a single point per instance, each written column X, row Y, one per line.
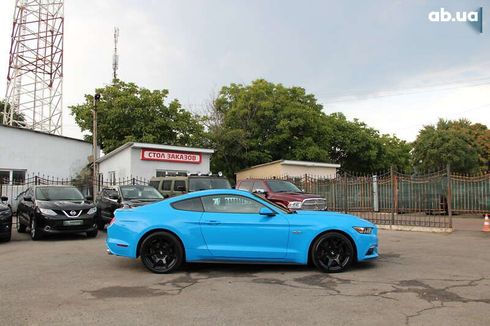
column 140, row 202
column 326, row 217
column 292, row 196
column 64, row 204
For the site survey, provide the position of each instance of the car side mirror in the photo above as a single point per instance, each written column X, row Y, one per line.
column 4, row 198
column 27, row 198
column 266, row 212
column 260, row 191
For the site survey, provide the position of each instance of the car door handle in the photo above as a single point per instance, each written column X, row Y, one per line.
column 214, row 222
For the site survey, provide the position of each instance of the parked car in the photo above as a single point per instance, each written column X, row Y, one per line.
column 283, row 193
column 128, row 196
column 170, row 186
column 55, row 209
column 237, row 226
column 5, row 220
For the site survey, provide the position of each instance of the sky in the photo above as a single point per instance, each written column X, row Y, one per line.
column 381, row 61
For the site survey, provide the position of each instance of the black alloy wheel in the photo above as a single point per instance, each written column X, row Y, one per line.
column 21, row 228
column 161, row 252
column 332, row 252
column 35, row 232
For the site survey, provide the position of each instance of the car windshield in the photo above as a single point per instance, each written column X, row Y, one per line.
column 58, row 193
column 282, row 186
column 282, row 208
column 201, row 183
column 140, row 192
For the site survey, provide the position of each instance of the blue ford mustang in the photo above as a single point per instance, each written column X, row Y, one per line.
column 237, row 226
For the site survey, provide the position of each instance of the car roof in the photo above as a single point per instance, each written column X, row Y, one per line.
column 209, row 192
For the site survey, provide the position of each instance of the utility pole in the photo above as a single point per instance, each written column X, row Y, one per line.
column 115, row 58
column 94, row 146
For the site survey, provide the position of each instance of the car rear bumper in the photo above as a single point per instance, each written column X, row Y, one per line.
column 5, row 229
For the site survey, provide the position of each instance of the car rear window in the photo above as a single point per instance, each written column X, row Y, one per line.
column 192, row 204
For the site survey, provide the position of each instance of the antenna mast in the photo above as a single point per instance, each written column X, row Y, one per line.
column 115, row 58
column 33, row 98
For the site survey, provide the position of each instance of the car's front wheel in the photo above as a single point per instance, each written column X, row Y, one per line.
column 332, row 252
column 21, row 228
column 161, row 252
column 35, row 231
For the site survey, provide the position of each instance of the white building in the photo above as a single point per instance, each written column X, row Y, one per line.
column 25, row 152
column 143, row 160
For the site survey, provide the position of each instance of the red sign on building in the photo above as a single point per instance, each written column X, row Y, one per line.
column 168, row 156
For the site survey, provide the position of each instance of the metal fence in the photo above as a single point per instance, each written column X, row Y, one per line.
column 13, row 189
column 394, row 198
column 390, row 198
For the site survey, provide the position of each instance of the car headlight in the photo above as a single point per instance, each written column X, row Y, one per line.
column 363, row 230
column 46, row 211
column 295, row 204
column 91, row 211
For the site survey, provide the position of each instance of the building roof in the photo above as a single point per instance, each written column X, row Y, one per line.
column 43, row 133
column 155, row 146
column 298, row 163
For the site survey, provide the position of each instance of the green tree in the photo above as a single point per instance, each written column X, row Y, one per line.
column 127, row 112
column 359, row 148
column 463, row 145
column 262, row 122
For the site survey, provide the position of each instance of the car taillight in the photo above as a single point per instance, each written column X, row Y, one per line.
column 112, row 221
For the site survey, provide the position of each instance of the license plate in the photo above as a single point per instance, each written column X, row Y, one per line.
column 72, row 222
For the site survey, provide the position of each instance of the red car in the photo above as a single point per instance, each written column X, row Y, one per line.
column 283, row 193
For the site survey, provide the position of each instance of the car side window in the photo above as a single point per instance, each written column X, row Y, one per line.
column 167, row 185
column 258, row 185
column 230, row 204
column 179, row 185
column 246, row 185
column 192, row 204
column 154, row 184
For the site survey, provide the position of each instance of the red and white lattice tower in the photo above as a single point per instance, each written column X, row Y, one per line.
column 35, row 74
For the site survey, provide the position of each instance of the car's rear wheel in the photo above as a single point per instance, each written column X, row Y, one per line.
column 21, row 228
column 35, row 231
column 161, row 252
column 332, row 252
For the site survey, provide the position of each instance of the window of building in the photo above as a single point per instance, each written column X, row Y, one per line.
column 15, row 177
column 164, row 173
column 112, row 177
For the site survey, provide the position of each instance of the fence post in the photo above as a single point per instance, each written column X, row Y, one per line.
column 345, row 192
column 133, row 181
column 1, row 186
column 449, row 196
column 36, row 180
column 393, row 194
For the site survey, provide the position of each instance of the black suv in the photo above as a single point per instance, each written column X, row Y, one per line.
column 5, row 220
column 55, row 209
column 128, row 196
column 175, row 185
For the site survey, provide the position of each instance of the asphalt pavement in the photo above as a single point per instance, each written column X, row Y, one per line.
column 419, row 279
